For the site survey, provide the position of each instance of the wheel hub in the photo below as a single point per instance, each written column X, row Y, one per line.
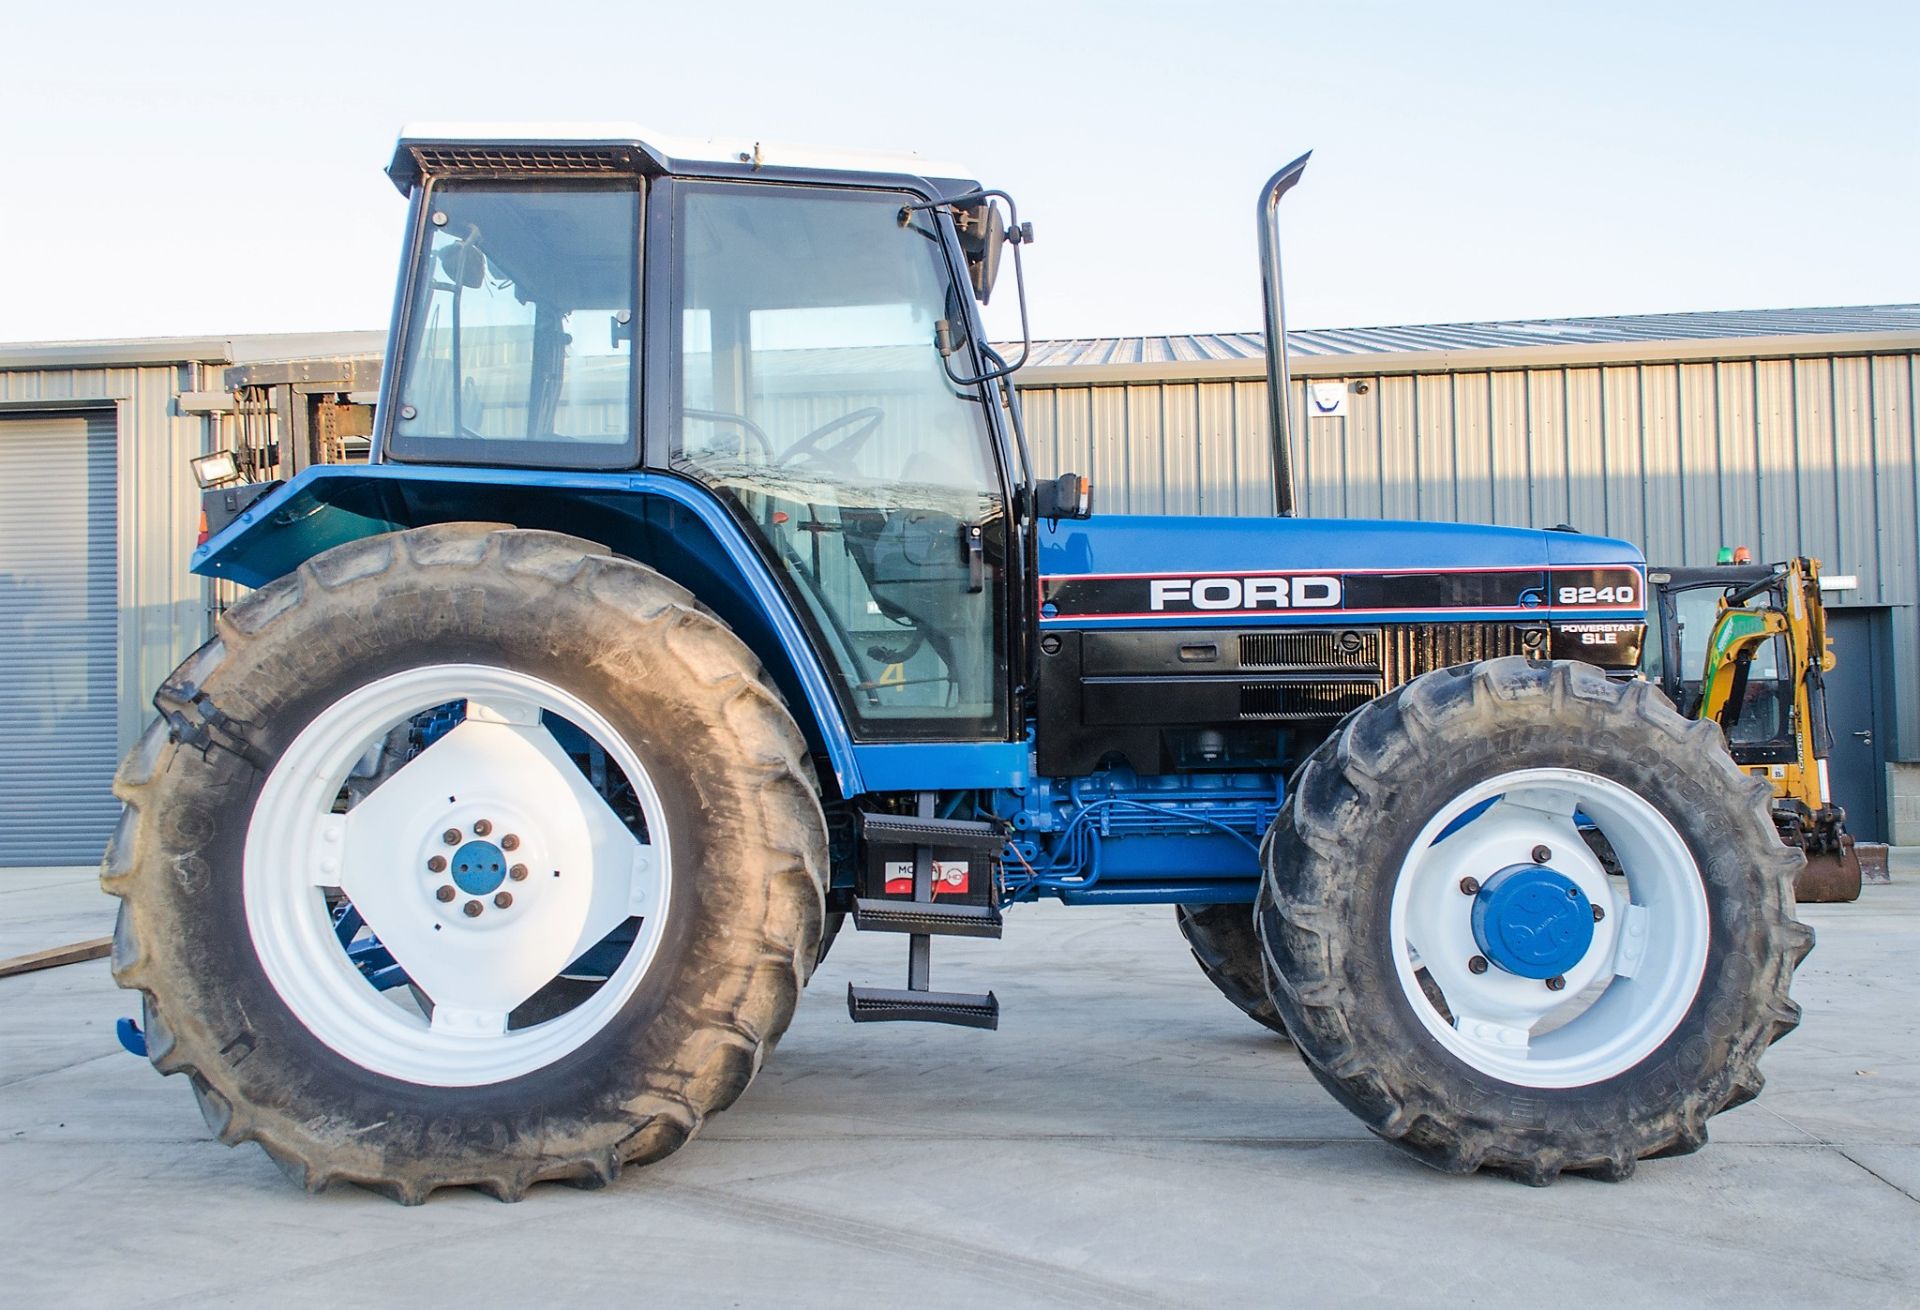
column 1532, row 920
column 479, row 867
column 550, row 872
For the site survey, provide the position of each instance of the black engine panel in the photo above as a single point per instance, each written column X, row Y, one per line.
column 1174, row 699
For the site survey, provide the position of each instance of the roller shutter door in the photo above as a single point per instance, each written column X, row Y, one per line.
column 59, row 636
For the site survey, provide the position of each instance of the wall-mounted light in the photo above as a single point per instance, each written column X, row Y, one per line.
column 215, row 470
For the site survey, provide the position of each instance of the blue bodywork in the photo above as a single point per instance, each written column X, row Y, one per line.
column 668, row 522
column 1123, row 546
column 1113, row 836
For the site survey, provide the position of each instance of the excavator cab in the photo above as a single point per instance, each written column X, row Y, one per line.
column 1746, row 646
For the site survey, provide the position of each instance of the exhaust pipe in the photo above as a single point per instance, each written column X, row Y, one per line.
column 1279, row 380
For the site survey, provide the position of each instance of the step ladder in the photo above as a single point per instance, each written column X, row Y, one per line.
column 923, row 918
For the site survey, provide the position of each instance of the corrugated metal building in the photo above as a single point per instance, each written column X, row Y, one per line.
column 98, row 513
column 1788, row 431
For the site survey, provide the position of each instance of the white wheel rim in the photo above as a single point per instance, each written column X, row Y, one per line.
column 584, row 875
column 1637, row 978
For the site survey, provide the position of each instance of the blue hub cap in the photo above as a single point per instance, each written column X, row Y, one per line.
column 1532, row 920
column 479, row 867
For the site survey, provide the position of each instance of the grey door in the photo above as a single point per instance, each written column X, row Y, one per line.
column 1857, row 768
column 59, row 634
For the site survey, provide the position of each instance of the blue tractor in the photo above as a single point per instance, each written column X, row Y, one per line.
column 700, row 596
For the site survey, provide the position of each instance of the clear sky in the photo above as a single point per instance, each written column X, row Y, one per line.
column 210, row 168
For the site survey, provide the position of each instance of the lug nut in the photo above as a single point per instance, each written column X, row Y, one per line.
column 1469, row 886
column 502, row 899
column 1478, row 964
column 437, row 864
column 472, row 908
column 1598, row 914
column 1556, row 983
column 510, row 843
column 1573, row 893
column 481, row 827
column 445, row 893
column 1541, row 855
column 451, row 836
column 518, row 873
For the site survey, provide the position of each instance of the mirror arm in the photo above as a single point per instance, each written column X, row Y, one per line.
column 1018, row 234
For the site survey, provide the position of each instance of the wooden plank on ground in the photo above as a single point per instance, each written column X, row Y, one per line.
column 74, row 953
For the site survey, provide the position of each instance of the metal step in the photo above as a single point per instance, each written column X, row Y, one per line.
column 887, row 1004
column 929, row 918
column 941, row 834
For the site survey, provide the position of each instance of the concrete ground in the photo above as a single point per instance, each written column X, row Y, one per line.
column 1126, row 1138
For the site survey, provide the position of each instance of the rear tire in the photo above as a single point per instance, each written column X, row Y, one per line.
column 1227, row 948
column 730, row 940
column 1343, row 891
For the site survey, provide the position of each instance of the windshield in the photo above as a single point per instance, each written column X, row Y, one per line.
column 520, row 330
column 1695, row 612
column 1767, row 699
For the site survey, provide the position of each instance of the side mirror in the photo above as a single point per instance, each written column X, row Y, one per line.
column 1069, row 496
column 464, row 265
column 982, row 231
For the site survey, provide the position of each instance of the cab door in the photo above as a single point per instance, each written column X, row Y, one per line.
column 810, row 395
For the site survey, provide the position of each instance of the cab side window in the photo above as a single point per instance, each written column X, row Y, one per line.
column 812, row 396
column 520, row 332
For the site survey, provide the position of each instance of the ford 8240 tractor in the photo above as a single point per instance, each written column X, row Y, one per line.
column 700, row 596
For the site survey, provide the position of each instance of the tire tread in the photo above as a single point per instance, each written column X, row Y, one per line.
column 757, row 973
column 1321, row 838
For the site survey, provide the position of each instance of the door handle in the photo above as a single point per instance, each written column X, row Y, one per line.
column 1864, row 734
column 972, row 542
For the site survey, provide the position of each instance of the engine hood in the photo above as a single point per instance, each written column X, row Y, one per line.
column 1144, row 570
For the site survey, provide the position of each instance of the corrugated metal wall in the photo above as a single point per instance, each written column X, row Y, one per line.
column 163, row 607
column 1817, row 453
column 1813, row 455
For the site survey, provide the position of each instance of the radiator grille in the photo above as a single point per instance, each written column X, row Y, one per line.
column 1414, row 649
column 1342, row 648
column 1323, row 699
column 1324, row 673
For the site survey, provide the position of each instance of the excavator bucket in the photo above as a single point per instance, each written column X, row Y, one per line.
column 1830, row 876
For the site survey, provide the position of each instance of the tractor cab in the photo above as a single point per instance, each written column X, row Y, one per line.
column 805, row 351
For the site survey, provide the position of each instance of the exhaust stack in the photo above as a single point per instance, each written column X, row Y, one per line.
column 1279, row 380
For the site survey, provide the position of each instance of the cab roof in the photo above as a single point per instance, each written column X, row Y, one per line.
column 586, row 149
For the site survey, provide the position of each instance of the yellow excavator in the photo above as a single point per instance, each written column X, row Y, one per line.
column 1745, row 645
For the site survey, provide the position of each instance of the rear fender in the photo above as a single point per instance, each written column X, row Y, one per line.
column 662, row 521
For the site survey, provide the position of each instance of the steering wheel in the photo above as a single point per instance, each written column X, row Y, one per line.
column 865, row 422
column 749, row 430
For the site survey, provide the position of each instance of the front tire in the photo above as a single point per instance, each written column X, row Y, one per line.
column 1584, row 1021
column 374, row 1001
column 1227, row 948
